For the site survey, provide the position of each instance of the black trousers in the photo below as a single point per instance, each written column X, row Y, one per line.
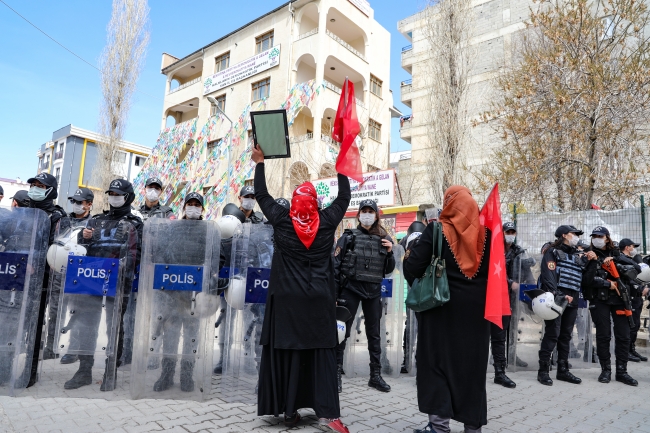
column 499, row 337
column 637, row 307
column 603, row 315
column 372, row 317
column 558, row 333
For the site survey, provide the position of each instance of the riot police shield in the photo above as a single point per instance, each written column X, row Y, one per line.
column 177, row 299
column 252, row 253
column 391, row 327
column 24, row 235
column 91, row 270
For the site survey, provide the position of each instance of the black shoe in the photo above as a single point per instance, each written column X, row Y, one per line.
column 48, row 353
column 633, row 358
column 339, row 371
column 542, row 373
column 520, row 363
column 606, row 373
column 293, row 421
column 564, row 374
column 403, row 370
column 166, row 379
column 500, row 377
column 187, row 382
column 376, row 381
column 622, row 376
column 427, row 429
column 69, row 359
column 81, row 378
column 638, row 355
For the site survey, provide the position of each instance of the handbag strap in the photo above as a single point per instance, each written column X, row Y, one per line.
column 438, row 240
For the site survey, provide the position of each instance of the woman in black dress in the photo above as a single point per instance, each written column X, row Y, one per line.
column 299, row 336
column 453, row 339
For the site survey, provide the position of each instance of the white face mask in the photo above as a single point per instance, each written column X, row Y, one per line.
column 634, row 252
column 193, row 213
column 116, row 200
column 78, row 209
column 248, row 203
column 573, row 240
column 152, row 194
column 598, row 242
column 510, row 238
column 367, row 219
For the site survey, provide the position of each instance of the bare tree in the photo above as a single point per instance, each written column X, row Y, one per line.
column 121, row 62
column 448, row 28
column 573, row 111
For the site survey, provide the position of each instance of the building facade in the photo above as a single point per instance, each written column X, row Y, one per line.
column 295, row 57
column 71, row 154
column 496, row 23
column 10, row 187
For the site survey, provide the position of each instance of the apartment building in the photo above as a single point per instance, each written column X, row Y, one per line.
column 71, row 154
column 495, row 27
column 297, row 57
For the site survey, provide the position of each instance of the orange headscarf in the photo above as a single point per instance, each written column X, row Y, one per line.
column 462, row 228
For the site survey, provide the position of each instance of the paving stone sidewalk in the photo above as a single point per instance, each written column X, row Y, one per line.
column 531, row 407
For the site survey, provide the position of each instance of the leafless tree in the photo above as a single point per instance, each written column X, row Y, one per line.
column 121, row 62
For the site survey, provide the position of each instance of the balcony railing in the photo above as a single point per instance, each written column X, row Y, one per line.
column 407, row 48
column 346, row 45
column 301, row 138
column 308, row 34
column 45, row 165
column 184, row 85
column 58, row 155
column 329, row 140
column 407, row 82
column 406, row 89
column 338, row 90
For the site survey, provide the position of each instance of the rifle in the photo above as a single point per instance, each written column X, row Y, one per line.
column 622, row 291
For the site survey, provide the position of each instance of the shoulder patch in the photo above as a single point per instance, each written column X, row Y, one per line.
column 551, row 266
column 408, row 253
column 337, row 252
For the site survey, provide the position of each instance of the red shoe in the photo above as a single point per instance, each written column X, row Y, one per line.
column 332, row 425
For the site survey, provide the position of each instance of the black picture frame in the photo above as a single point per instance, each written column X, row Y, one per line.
column 271, row 124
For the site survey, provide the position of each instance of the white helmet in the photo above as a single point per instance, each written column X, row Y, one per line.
column 236, row 293
column 229, row 225
column 342, row 316
column 545, row 307
column 413, row 236
column 206, row 305
column 645, row 273
column 57, row 254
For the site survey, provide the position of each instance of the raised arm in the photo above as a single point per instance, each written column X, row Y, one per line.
column 271, row 210
column 336, row 211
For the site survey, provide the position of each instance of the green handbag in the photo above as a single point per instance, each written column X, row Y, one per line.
column 432, row 289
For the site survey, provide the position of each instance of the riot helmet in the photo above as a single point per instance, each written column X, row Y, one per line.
column 546, row 305
column 416, row 226
column 233, row 209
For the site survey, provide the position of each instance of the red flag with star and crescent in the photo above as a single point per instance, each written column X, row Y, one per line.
column 497, row 301
column 345, row 130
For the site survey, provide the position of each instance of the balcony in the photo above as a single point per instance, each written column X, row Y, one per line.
column 58, row 155
column 407, row 58
column 308, row 34
column 405, row 128
column 185, row 85
column 334, row 88
column 302, row 138
column 406, row 92
column 346, row 45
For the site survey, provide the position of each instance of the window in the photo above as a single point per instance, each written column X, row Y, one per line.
column 206, row 189
column 250, row 137
column 139, row 161
column 222, row 62
column 264, row 42
column 119, row 157
column 261, row 89
column 221, row 103
column 212, row 145
column 249, row 182
column 375, row 85
column 57, row 174
column 374, row 130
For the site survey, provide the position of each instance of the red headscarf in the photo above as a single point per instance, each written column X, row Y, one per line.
column 304, row 213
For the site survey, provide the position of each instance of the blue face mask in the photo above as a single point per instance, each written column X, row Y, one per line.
column 37, row 194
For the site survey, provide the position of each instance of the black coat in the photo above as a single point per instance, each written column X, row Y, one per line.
column 301, row 301
column 453, row 340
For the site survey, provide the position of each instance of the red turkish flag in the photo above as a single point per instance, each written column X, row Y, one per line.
column 345, row 130
column 497, row 301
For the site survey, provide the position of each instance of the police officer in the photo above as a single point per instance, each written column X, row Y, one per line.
column 82, row 204
column 2, row 193
column 247, row 200
column 99, row 237
column 20, row 199
column 561, row 274
column 363, row 257
column 152, row 208
column 226, row 257
column 606, row 307
column 42, row 193
column 637, row 292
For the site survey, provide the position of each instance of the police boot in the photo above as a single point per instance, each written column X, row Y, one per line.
column 166, row 379
column 69, row 359
column 83, row 376
column 219, row 367
column 339, row 370
column 520, row 363
column 542, row 373
column 637, row 354
column 376, row 381
column 500, row 377
column 632, row 357
column 621, row 374
column 606, row 373
column 187, row 382
column 564, row 374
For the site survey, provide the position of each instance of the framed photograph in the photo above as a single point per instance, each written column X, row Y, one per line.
column 271, row 133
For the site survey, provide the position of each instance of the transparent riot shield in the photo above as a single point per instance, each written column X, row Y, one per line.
column 91, row 272
column 356, row 358
column 410, row 342
column 24, row 235
column 177, row 303
column 252, row 253
column 580, row 355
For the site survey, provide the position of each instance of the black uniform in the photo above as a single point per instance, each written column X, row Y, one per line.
column 636, row 294
column 358, row 251
column 156, row 211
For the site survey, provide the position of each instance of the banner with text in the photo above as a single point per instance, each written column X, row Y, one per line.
column 253, row 66
column 378, row 186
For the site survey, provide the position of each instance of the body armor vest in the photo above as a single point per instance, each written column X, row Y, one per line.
column 365, row 258
column 568, row 270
